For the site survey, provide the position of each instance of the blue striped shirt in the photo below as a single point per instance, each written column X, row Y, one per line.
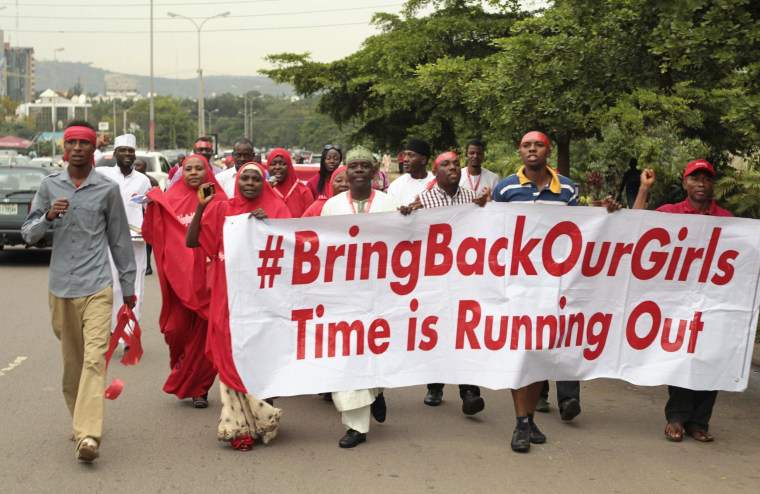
column 519, row 188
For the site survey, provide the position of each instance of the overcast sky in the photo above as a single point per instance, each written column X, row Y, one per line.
column 115, row 34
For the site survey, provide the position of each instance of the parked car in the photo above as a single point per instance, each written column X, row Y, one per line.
column 44, row 161
column 171, row 155
column 158, row 165
column 305, row 171
column 8, row 157
column 18, row 184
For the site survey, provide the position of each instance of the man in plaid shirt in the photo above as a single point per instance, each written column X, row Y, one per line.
column 444, row 190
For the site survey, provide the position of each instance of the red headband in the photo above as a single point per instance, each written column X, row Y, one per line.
column 532, row 136
column 203, row 144
column 448, row 155
column 79, row 133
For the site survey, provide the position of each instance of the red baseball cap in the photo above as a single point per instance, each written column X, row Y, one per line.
column 698, row 165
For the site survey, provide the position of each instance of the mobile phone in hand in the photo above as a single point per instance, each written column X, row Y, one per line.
column 207, row 191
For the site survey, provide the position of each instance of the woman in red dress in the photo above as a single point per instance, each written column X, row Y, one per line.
column 286, row 184
column 244, row 417
column 182, row 274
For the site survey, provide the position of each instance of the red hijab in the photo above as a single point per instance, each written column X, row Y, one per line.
column 219, row 343
column 316, row 208
column 268, row 200
column 183, row 198
column 296, row 195
column 181, row 271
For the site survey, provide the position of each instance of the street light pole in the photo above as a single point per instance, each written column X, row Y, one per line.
column 216, row 110
column 198, row 27
column 55, row 120
column 152, row 143
column 86, row 66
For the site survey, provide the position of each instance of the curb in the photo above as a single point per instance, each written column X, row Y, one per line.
column 756, row 355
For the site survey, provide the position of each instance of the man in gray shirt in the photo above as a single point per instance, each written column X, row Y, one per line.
column 88, row 218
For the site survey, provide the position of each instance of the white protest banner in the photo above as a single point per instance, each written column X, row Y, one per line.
column 500, row 296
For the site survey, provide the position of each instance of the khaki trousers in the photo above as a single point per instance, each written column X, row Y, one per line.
column 83, row 326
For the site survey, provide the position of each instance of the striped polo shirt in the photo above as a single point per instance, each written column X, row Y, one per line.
column 519, row 188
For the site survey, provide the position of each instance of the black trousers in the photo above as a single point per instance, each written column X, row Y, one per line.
column 691, row 408
column 462, row 388
column 565, row 391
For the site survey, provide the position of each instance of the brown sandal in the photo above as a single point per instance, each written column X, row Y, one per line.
column 674, row 431
column 700, row 435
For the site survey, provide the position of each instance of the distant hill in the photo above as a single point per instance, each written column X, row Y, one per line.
column 69, row 73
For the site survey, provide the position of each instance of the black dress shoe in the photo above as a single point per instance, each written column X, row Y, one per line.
column 521, row 439
column 433, row 397
column 148, row 272
column 569, row 409
column 536, row 436
column 378, row 408
column 472, row 403
column 352, row 439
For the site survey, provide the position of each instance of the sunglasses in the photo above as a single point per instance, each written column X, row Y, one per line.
column 332, row 146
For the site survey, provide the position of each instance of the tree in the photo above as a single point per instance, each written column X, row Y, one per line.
column 174, row 127
column 377, row 90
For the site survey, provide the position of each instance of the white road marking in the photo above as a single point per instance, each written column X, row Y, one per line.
column 13, row 364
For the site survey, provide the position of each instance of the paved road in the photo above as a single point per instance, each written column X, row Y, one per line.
column 155, row 443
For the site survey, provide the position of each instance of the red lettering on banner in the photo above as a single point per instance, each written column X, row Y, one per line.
column 436, row 248
column 517, row 323
column 695, row 327
column 586, row 268
column 676, row 255
column 653, row 311
column 351, row 262
column 345, row 330
column 521, row 253
column 381, row 250
column 498, row 342
column 377, row 333
column 305, row 256
column 655, row 253
column 542, row 322
column 411, row 332
column 548, row 332
column 466, row 326
column 378, row 330
column 428, row 331
column 553, row 267
column 301, row 316
column 658, row 259
column 493, row 256
column 726, row 267
column 692, row 254
column 617, row 256
column 477, row 245
column 710, row 254
column 333, row 253
column 410, row 270
column 597, row 340
column 665, row 342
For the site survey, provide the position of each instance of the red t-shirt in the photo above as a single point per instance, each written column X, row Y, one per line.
column 685, row 207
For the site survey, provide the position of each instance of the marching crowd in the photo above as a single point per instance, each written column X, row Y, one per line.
column 105, row 217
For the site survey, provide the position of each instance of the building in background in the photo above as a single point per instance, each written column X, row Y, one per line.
column 65, row 109
column 19, row 73
column 16, row 72
column 121, row 87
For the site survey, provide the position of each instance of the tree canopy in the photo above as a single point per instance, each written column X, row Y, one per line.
column 575, row 70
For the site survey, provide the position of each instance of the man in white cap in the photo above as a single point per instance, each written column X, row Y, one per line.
column 131, row 183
